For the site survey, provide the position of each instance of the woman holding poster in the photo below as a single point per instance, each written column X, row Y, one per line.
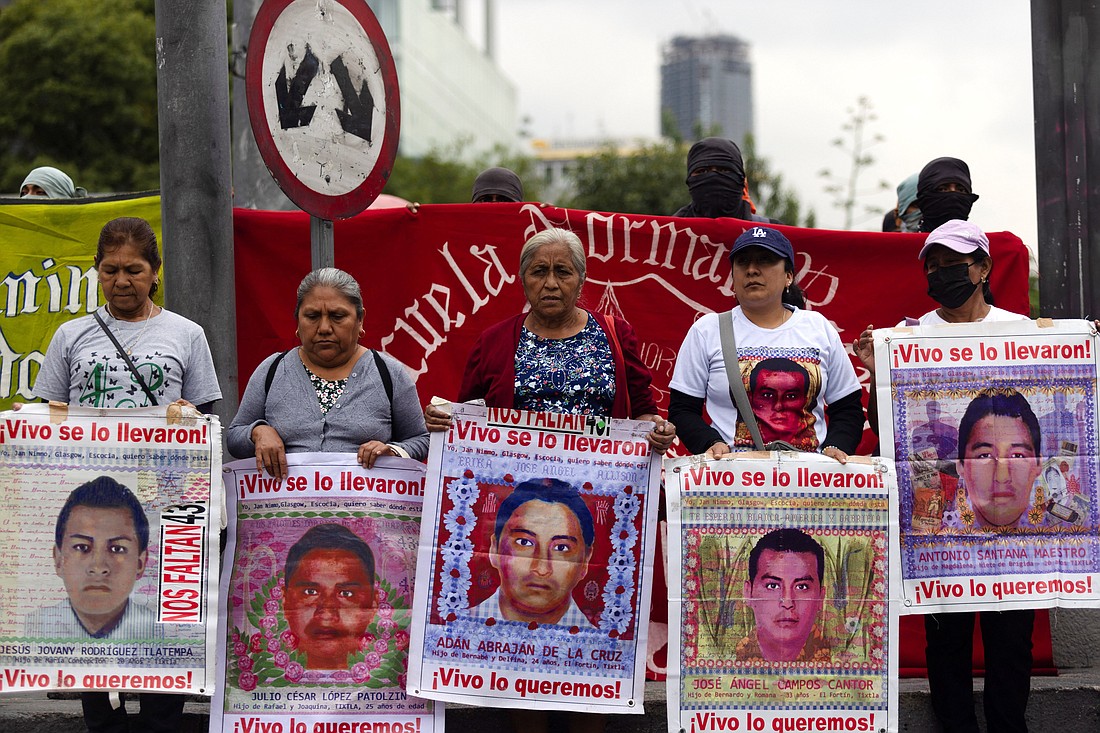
column 996, row 427
column 559, row 357
column 792, row 361
column 91, row 362
column 331, row 394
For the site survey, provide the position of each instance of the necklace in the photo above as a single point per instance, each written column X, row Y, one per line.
column 128, row 347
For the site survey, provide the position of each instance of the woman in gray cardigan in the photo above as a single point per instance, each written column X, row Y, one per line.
column 330, row 394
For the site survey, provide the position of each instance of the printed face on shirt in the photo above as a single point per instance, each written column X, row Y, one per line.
column 785, row 597
column 328, row 327
column 779, row 398
column 99, row 561
column 541, row 556
column 551, row 282
column 999, row 467
column 329, row 603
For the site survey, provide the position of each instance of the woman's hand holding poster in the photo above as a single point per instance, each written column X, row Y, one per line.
column 993, row 428
column 535, row 560
column 782, row 583
column 317, row 588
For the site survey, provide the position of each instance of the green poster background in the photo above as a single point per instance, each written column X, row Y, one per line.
column 46, row 253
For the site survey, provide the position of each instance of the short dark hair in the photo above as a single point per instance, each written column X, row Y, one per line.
column 130, row 230
column 104, row 493
column 787, row 540
column 778, row 365
column 1005, row 402
column 330, row 536
column 551, row 491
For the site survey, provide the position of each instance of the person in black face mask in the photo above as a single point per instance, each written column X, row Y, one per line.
column 957, row 266
column 944, row 192
column 716, row 181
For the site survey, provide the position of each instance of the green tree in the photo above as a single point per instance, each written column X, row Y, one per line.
column 445, row 175
column 78, row 90
column 650, row 180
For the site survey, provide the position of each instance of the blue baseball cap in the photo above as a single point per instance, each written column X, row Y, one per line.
column 770, row 239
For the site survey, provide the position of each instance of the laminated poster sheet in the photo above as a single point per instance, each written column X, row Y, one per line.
column 109, row 549
column 783, row 588
column 535, row 562
column 993, row 430
column 318, row 586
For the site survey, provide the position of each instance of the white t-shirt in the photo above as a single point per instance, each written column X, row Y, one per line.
column 790, row 373
column 995, row 314
column 83, row 368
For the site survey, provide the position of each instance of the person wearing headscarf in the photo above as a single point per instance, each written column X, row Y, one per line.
column 944, row 192
column 908, row 213
column 50, row 182
column 497, row 185
column 717, row 184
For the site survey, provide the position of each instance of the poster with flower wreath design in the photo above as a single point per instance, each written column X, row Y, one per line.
column 108, row 549
column 534, row 574
column 785, row 588
column 993, row 429
column 317, row 589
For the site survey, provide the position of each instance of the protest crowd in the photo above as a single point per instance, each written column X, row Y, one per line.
column 766, row 374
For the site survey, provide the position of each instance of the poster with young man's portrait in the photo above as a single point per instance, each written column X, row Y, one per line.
column 784, row 591
column 109, row 549
column 993, row 428
column 318, row 588
column 533, row 590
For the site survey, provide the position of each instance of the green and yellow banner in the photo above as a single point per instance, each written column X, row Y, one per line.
column 46, row 253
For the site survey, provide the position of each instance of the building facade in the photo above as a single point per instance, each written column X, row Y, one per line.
column 706, row 87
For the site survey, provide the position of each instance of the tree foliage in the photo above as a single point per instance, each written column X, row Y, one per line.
column 78, row 90
column 855, row 141
column 445, row 175
column 650, row 180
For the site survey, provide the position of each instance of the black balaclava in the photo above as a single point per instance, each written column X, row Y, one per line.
column 939, row 207
column 498, row 181
column 717, row 194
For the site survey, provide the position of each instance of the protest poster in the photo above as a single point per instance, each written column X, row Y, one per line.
column 317, row 590
column 535, row 562
column 108, row 549
column 993, row 429
column 783, row 586
column 46, row 250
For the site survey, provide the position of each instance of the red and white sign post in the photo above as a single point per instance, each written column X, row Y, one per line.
column 324, row 104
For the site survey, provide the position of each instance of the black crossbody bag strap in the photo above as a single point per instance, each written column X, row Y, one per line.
column 126, row 358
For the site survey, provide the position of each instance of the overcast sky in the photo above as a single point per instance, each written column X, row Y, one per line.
column 947, row 78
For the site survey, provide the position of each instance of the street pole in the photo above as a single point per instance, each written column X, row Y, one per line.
column 195, row 183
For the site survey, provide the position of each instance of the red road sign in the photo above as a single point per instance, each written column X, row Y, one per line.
column 324, row 104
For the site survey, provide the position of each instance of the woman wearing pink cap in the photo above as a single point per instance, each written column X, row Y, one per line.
column 957, row 266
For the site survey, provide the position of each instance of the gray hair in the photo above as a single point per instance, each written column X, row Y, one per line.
column 338, row 280
column 554, row 236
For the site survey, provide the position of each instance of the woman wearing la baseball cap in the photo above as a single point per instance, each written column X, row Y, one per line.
column 792, row 362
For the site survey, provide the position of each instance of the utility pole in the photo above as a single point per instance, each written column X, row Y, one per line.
column 195, row 178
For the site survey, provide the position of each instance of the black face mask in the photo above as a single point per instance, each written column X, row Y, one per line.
column 950, row 286
column 717, row 194
column 939, row 207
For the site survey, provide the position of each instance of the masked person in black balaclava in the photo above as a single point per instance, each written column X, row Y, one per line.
column 497, row 185
column 716, row 181
column 944, row 192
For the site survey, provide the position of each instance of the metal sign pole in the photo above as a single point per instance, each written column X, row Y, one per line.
column 321, row 246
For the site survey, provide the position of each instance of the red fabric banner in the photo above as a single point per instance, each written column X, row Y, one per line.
column 433, row 280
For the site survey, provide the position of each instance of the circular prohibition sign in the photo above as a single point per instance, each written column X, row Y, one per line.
column 324, row 104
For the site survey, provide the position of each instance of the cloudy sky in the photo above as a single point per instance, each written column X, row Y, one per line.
column 945, row 78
